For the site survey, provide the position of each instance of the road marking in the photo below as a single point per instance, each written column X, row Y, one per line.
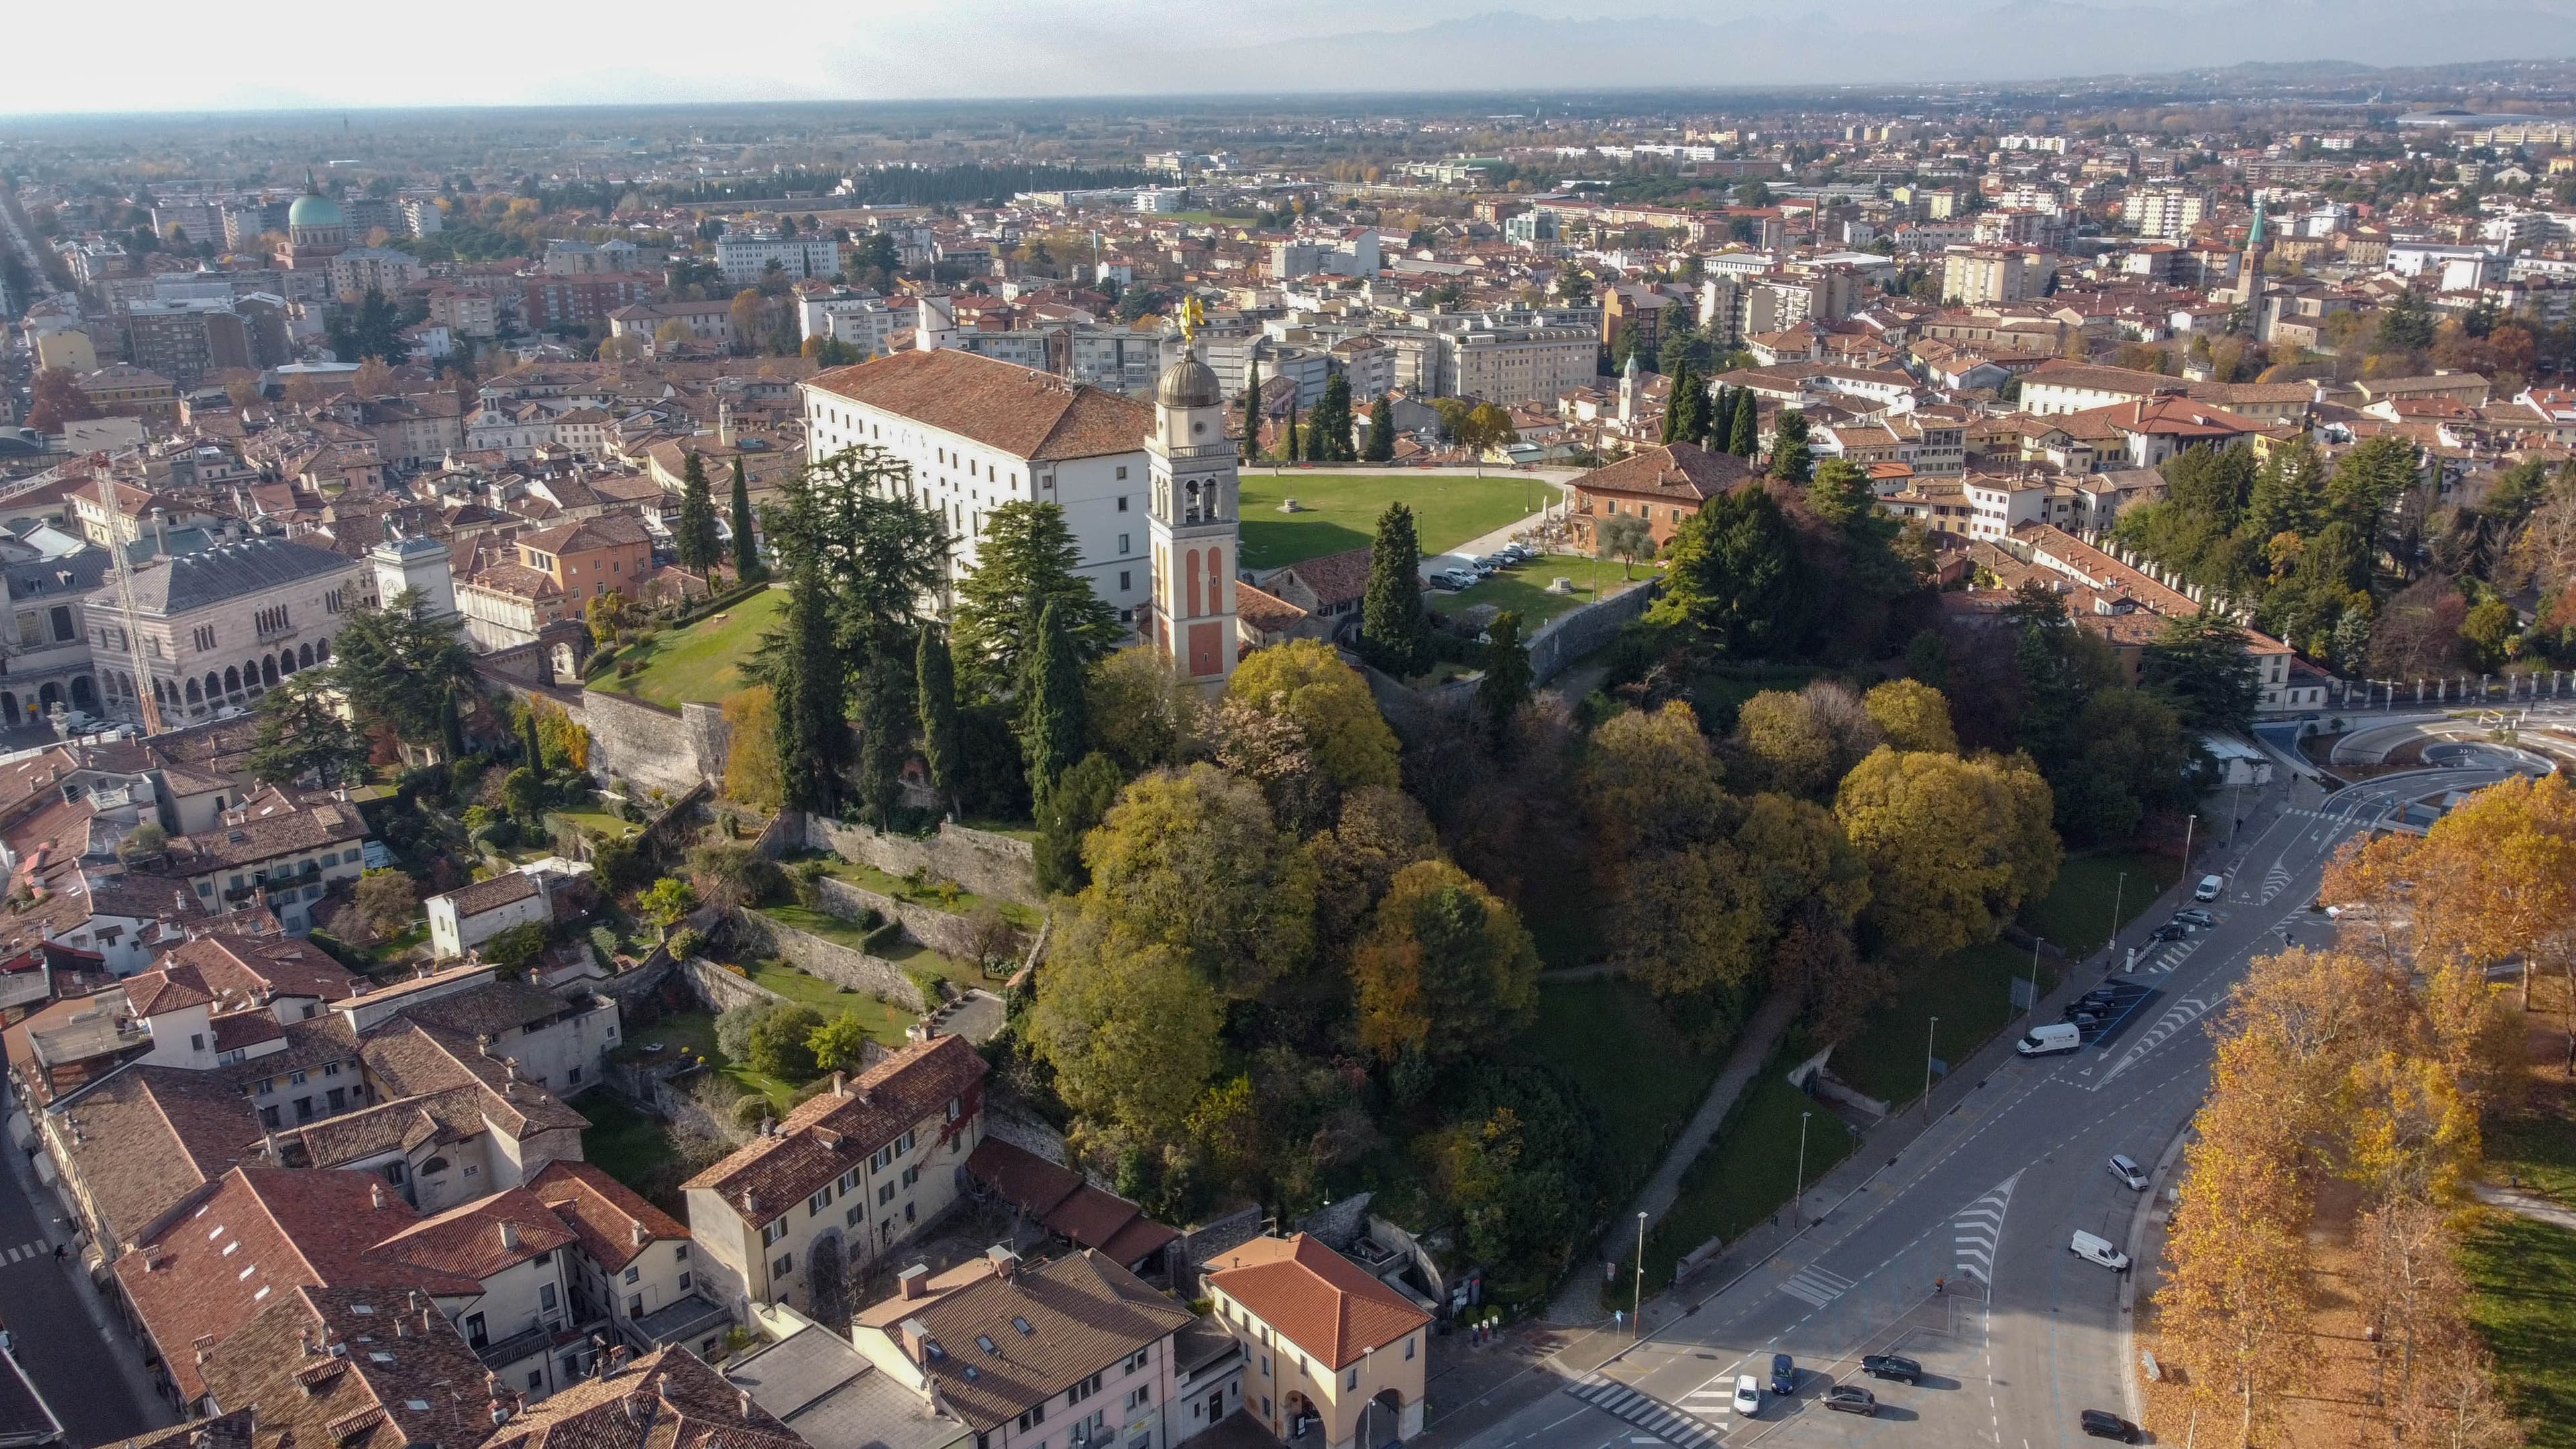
column 1979, row 1229
column 1645, row 1412
column 36, row 1249
column 2275, row 881
column 1815, row 1286
column 2181, row 1014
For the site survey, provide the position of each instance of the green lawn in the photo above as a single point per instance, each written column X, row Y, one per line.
column 1747, row 1173
column 388, row 950
column 622, row 1142
column 1970, row 991
column 695, row 1032
column 1523, row 587
column 1639, row 1072
column 885, row 1021
column 1338, row 511
column 1016, row 829
column 868, row 878
column 2522, row 1297
column 2075, row 915
column 700, row 662
column 597, row 822
column 895, row 947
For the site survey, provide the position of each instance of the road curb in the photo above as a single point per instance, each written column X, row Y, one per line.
column 2139, row 1219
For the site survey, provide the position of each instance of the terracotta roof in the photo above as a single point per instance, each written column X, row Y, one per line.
column 475, row 1240
column 488, row 895
column 825, row 1135
column 1334, row 578
column 1060, row 1200
column 231, row 964
column 1683, row 471
column 260, row 1231
column 1084, row 1314
column 1017, row 410
column 148, row 1136
column 665, row 1399
column 608, row 530
column 603, row 1213
column 1323, row 1302
column 1266, row 612
column 353, row 1368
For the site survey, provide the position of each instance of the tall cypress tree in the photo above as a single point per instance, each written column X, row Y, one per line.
column 528, row 738
column 1674, row 411
column 1744, row 439
column 1790, row 462
column 451, row 730
column 1053, row 720
column 883, row 732
column 1381, row 438
column 1394, row 635
column 1506, row 685
column 746, row 547
column 1721, row 421
column 1291, row 447
column 697, row 532
column 1252, row 415
column 935, row 680
column 813, row 720
column 1332, row 425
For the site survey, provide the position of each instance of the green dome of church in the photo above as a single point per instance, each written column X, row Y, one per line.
column 315, row 209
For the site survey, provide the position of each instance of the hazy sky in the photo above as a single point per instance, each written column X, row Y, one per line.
column 161, row 55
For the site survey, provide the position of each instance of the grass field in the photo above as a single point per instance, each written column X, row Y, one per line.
column 597, row 822
column 885, row 1022
column 1747, row 1173
column 868, row 878
column 1338, row 511
column 1523, row 587
column 2075, row 915
column 1970, row 991
column 895, row 947
column 2522, row 1297
column 701, row 662
column 1638, row 1071
column 622, row 1142
column 695, row 1032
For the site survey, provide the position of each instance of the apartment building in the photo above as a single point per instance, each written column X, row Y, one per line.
column 744, row 258
column 845, row 1177
column 1329, row 1350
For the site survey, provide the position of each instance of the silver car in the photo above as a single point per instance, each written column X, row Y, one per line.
column 2127, row 1170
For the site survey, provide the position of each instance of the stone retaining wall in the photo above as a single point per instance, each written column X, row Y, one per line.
column 721, row 990
column 929, row 925
column 1571, row 635
column 671, row 749
column 982, row 862
column 829, row 960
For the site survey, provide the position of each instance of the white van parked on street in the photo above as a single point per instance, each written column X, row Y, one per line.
column 2098, row 1250
column 2056, row 1036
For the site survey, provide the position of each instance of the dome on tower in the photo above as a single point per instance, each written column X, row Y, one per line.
column 1188, row 384
column 314, row 209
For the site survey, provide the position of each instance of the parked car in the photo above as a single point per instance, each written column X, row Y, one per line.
column 2195, row 916
column 1495, row 562
column 1748, row 1395
column 1851, row 1399
column 2168, row 932
column 2127, row 1170
column 1454, row 579
column 1891, row 1366
column 1784, row 1375
column 2103, row 1424
column 2209, row 887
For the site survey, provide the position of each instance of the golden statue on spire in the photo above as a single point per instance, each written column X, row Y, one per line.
column 1193, row 317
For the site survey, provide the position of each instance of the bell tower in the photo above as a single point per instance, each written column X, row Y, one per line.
column 1194, row 518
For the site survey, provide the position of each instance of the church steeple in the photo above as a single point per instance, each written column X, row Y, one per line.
column 1193, row 518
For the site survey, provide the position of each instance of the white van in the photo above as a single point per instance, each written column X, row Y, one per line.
column 2209, row 887
column 2056, row 1036
column 2098, row 1250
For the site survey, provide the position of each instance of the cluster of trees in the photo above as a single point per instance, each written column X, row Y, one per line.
column 2360, row 565
column 796, row 1044
column 2371, row 1066
column 372, row 329
column 1795, row 567
column 1727, row 421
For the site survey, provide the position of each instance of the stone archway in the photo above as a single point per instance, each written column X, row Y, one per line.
column 83, row 696
column 1382, row 1421
column 1301, row 1425
column 232, row 680
column 47, row 697
column 268, row 671
column 827, row 1282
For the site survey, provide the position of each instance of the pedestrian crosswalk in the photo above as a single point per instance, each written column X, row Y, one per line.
column 2177, row 1016
column 1713, row 1401
column 1978, row 1229
column 1814, row 1285
column 1646, row 1412
column 21, row 1253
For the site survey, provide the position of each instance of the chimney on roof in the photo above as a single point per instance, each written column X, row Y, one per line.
column 640, row 1233
column 509, row 1235
column 1004, row 1262
column 376, row 1195
column 914, row 1282
column 840, row 1084
column 746, row 1402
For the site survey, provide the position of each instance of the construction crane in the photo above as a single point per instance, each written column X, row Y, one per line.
column 145, row 698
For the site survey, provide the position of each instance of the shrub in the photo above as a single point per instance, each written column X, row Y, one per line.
column 750, row 1111
column 477, row 816
column 782, row 1045
column 500, row 834
column 729, row 875
column 604, row 941
column 805, row 878
column 517, row 946
column 686, row 942
column 143, row 842
column 733, row 1030
column 462, row 775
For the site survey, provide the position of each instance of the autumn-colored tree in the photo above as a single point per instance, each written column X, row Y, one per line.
column 1379, row 832
column 1652, row 783
column 1306, row 682
column 1806, row 742
column 1954, row 846
column 752, row 775
column 1191, row 860
column 1129, row 1028
column 1446, row 969
column 57, row 399
column 1913, row 716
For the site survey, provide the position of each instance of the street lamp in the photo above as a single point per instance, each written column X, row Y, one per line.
column 1637, row 1307
column 1929, row 1036
column 1799, row 1201
column 2035, row 943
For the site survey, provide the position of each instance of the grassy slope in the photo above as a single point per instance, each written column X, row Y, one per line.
column 1523, row 587
column 1338, row 511
column 701, row 662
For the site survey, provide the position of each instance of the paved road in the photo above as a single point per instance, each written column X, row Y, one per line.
column 93, row 1381
column 2026, row 1333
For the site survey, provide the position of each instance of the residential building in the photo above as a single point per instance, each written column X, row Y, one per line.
column 633, row 1263
column 744, row 258
column 272, row 852
column 607, row 553
column 1973, row 274
column 1023, row 1353
column 124, row 391
column 190, row 341
column 1514, row 366
column 468, row 916
column 392, row 1382
column 842, row 1179
column 834, row 1397
column 1664, row 485
column 2169, row 212
column 557, row 301
column 1328, row 1349
column 582, row 259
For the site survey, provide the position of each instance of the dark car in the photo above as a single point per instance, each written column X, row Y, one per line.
column 1891, row 1366
column 2103, row 1424
column 1851, row 1399
column 2167, row 933
column 1784, row 1375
